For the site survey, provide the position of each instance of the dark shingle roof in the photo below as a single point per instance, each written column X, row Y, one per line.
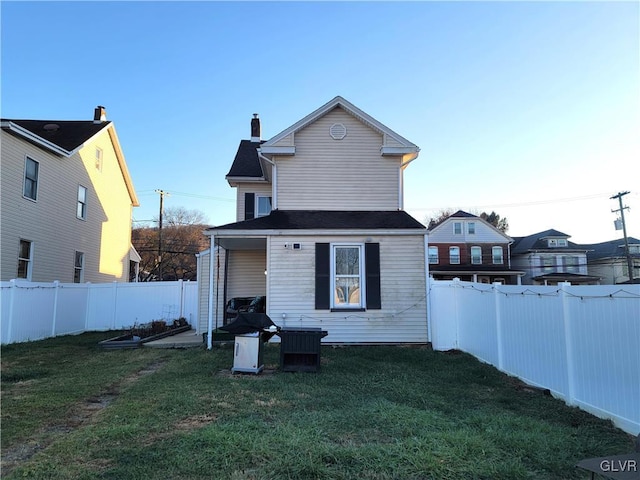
column 327, row 220
column 246, row 163
column 610, row 249
column 462, row 214
column 69, row 134
column 537, row 241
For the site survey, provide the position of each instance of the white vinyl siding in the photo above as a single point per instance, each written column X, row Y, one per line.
column 402, row 317
column 51, row 222
column 347, row 174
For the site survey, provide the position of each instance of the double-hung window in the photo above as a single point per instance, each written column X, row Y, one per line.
column 31, row 170
column 433, row 255
column 471, row 228
column 25, row 256
column 81, row 210
column 78, row 272
column 476, row 255
column 497, row 255
column 457, row 228
column 346, row 277
column 454, row 255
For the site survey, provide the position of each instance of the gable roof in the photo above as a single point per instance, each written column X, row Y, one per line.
column 405, row 145
column 66, row 137
column 326, row 220
column 463, row 214
column 610, row 249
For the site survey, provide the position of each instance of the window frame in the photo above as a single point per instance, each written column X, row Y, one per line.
column 476, row 248
column 435, row 257
column 493, row 255
column 257, row 212
column 81, row 206
column 99, row 158
column 451, row 257
column 457, row 228
column 361, row 276
column 78, row 269
column 34, row 182
column 28, row 260
column 471, row 228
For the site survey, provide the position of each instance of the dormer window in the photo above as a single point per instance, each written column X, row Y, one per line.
column 557, row 242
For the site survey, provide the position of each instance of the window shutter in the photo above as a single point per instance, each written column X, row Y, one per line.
column 323, row 283
column 372, row 271
column 249, row 205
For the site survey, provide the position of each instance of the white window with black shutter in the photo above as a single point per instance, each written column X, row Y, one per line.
column 347, row 276
column 256, row 205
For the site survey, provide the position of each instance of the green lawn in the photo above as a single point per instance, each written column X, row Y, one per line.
column 71, row 410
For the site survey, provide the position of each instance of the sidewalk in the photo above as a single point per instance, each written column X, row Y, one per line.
column 188, row 339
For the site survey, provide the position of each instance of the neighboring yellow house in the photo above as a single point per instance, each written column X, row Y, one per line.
column 67, row 201
column 321, row 231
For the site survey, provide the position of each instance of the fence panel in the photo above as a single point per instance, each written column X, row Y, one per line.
column 581, row 342
column 33, row 311
column 71, row 309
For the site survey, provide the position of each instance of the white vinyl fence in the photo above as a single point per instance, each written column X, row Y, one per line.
column 580, row 342
column 33, row 311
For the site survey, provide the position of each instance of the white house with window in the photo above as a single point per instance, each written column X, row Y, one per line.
column 468, row 247
column 321, row 231
column 67, row 201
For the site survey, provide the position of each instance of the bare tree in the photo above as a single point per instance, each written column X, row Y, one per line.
column 182, row 239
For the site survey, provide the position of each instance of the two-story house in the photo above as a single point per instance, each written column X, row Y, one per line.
column 468, row 247
column 609, row 261
column 321, row 231
column 67, row 201
column 549, row 258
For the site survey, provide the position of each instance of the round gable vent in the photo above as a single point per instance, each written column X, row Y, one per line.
column 338, row 131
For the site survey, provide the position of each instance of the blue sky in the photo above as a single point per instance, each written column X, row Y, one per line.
column 531, row 109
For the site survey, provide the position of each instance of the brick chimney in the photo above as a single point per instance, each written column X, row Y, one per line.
column 255, row 128
column 99, row 114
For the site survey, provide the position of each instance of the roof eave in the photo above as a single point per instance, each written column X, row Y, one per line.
column 32, row 137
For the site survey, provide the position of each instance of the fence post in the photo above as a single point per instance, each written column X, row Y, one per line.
column 115, row 305
column 56, row 287
column 181, row 285
column 87, row 307
column 568, row 342
column 498, row 304
column 12, row 290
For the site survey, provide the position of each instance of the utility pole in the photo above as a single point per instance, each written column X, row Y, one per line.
column 162, row 193
column 624, row 231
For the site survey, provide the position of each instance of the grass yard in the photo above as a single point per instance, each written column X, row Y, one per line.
column 71, row 410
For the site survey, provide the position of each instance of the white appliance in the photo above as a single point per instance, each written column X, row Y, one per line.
column 247, row 353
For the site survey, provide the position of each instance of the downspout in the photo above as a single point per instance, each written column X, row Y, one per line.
column 401, row 180
column 426, row 284
column 211, row 305
column 274, row 180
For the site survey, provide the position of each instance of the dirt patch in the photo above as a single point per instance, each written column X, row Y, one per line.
column 78, row 415
column 195, row 422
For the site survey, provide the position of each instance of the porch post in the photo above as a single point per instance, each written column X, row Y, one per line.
column 211, row 303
